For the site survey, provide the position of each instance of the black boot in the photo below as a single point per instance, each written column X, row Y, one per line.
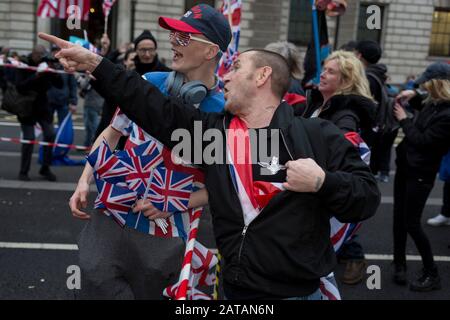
column 399, row 276
column 47, row 174
column 428, row 281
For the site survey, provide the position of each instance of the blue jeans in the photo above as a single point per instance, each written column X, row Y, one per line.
column 91, row 121
column 316, row 295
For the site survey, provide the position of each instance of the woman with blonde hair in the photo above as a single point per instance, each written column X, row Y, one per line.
column 427, row 140
column 344, row 97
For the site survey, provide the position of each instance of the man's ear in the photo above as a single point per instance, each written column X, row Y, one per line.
column 263, row 75
column 212, row 52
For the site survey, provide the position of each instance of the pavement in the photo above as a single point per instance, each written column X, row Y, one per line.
column 38, row 235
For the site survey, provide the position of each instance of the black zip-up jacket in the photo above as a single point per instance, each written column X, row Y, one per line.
column 349, row 112
column 427, row 137
column 287, row 248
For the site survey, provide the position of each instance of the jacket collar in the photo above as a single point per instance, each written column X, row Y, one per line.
column 281, row 119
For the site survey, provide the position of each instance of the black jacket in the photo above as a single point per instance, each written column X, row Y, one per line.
column 39, row 82
column 156, row 65
column 427, row 138
column 350, row 113
column 380, row 71
column 287, row 248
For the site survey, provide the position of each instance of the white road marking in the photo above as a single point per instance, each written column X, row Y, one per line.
column 74, row 247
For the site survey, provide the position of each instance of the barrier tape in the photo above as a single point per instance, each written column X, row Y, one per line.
column 36, row 69
column 43, row 143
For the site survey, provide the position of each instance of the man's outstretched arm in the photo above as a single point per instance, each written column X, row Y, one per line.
column 140, row 101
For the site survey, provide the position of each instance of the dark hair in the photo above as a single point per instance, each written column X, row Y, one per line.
column 127, row 53
column 280, row 69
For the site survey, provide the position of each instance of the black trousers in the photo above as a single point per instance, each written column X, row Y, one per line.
column 410, row 195
column 27, row 149
column 380, row 158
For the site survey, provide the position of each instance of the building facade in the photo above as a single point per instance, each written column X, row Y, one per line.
column 413, row 33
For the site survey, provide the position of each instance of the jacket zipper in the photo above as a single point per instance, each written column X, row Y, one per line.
column 244, row 232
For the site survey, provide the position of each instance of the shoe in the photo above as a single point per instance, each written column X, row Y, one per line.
column 426, row 282
column 439, row 220
column 47, row 174
column 354, row 271
column 24, row 177
column 399, row 276
column 383, row 178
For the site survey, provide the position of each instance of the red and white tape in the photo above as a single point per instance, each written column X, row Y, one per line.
column 36, row 69
column 43, row 143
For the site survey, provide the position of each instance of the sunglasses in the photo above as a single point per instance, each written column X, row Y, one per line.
column 183, row 38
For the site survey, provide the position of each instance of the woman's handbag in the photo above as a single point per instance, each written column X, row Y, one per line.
column 17, row 103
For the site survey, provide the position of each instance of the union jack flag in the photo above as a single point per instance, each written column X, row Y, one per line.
column 58, row 9
column 117, row 200
column 140, row 161
column 107, row 165
column 107, row 5
column 170, row 190
column 233, row 6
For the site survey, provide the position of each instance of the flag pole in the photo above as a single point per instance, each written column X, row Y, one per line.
column 106, row 24
column 316, row 80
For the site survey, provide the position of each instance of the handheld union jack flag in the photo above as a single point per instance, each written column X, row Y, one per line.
column 140, row 160
column 107, row 6
column 231, row 9
column 117, row 200
column 170, row 190
column 107, row 165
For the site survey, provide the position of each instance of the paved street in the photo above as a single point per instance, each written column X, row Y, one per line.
column 38, row 234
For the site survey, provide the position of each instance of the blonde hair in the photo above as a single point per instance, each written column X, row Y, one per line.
column 292, row 55
column 353, row 75
column 439, row 90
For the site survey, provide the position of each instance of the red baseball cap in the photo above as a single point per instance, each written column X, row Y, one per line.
column 202, row 19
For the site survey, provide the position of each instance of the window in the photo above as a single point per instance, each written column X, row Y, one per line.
column 440, row 33
column 300, row 22
column 190, row 3
column 363, row 32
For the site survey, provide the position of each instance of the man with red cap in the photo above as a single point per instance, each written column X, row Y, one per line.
column 123, row 262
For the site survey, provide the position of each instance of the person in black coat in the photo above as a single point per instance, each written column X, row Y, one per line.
column 38, row 82
column 427, row 140
column 344, row 99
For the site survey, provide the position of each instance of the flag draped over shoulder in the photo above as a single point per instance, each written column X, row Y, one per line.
column 58, row 9
column 233, row 7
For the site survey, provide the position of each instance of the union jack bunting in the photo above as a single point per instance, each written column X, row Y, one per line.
column 58, row 9
column 107, row 5
column 235, row 21
column 117, row 200
column 170, row 190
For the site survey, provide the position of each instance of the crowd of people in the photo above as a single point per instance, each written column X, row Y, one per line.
column 279, row 248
